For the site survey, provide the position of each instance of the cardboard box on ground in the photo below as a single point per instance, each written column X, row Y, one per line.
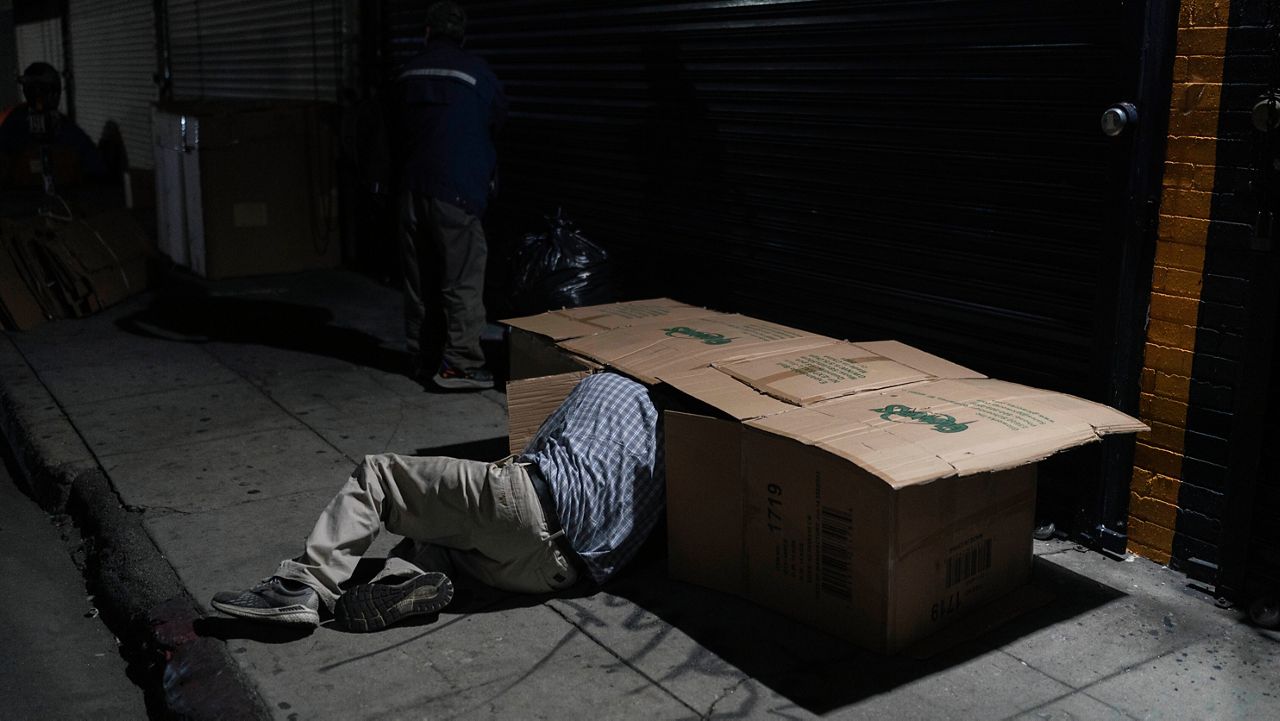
column 246, row 187
column 51, row 268
column 870, row 489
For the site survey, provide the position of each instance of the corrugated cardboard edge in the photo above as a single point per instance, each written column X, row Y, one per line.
column 913, row 357
column 766, row 385
column 725, row 393
column 535, row 356
column 531, row 400
column 566, row 323
column 650, row 358
column 1101, row 420
column 711, row 498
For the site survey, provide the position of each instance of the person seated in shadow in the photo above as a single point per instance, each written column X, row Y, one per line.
column 36, row 138
column 578, row 502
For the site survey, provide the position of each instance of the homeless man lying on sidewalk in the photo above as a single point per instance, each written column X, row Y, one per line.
column 584, row 494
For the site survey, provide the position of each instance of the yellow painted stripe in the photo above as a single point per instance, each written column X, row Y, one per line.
column 1185, row 211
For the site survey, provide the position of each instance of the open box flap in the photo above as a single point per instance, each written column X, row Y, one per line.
column 925, row 431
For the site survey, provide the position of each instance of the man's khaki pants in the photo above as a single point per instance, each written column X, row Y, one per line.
column 485, row 517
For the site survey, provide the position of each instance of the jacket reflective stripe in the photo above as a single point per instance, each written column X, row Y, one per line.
column 439, row 73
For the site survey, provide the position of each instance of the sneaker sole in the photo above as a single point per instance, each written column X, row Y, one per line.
column 461, row 384
column 374, row 606
column 288, row 614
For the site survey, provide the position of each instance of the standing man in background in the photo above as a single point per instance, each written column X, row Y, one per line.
column 451, row 107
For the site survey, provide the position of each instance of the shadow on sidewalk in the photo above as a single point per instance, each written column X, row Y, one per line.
column 225, row 628
column 732, row 638
column 814, row 670
column 192, row 316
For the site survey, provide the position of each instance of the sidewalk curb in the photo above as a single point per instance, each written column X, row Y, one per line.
column 141, row 598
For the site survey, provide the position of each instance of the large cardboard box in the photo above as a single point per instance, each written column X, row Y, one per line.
column 870, row 489
column 245, row 187
column 542, row 373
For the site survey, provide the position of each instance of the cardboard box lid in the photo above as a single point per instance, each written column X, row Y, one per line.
column 672, row 346
column 807, row 376
column 925, row 431
column 569, row 323
column 722, row 391
column 774, row 382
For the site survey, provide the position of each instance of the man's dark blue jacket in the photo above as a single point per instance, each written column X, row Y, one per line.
column 452, row 107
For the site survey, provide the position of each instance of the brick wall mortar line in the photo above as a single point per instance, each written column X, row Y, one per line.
column 1201, row 50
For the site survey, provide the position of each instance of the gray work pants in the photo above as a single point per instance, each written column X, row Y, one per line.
column 485, row 517
column 447, row 241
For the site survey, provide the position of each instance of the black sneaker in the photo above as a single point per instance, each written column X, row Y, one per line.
column 276, row 600
column 374, row 606
column 454, row 379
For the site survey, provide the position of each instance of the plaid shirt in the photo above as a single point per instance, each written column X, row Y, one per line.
column 601, row 454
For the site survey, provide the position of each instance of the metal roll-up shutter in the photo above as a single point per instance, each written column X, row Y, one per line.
column 113, row 48
column 9, row 94
column 39, row 42
column 927, row 171
column 290, row 49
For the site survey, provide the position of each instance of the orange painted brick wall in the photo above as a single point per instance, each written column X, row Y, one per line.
column 1185, row 209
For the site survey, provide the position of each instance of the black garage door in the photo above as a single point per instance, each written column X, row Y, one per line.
column 930, row 171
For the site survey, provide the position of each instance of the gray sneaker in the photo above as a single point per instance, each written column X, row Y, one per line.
column 374, row 606
column 272, row 600
column 454, row 379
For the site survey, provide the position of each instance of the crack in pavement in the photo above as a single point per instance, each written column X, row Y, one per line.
column 622, row 660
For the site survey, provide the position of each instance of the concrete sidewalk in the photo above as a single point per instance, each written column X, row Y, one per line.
column 195, row 449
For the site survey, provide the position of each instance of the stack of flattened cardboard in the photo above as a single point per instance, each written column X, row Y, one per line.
column 870, row 489
column 52, row 268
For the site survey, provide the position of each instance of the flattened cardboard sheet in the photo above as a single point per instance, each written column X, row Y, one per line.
column 633, row 312
column 810, row 375
column 918, row 359
column 569, row 323
column 723, row 392
column 925, row 431
column 653, row 350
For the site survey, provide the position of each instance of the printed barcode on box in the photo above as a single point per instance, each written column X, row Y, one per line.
column 968, row 563
column 836, row 527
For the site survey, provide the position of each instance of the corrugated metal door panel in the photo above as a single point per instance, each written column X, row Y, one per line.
column 114, row 51
column 40, row 42
column 246, row 49
column 931, row 171
column 1263, row 554
column 9, row 93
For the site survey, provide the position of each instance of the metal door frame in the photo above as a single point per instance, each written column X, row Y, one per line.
column 1119, row 354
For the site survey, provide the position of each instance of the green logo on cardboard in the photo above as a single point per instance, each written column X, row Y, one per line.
column 941, row 422
column 687, row 332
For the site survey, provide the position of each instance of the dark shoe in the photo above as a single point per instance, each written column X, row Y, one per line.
column 275, row 600
column 453, row 379
column 1044, row 531
column 374, row 606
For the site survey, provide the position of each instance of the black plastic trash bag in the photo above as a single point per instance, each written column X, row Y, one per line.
column 560, row 268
